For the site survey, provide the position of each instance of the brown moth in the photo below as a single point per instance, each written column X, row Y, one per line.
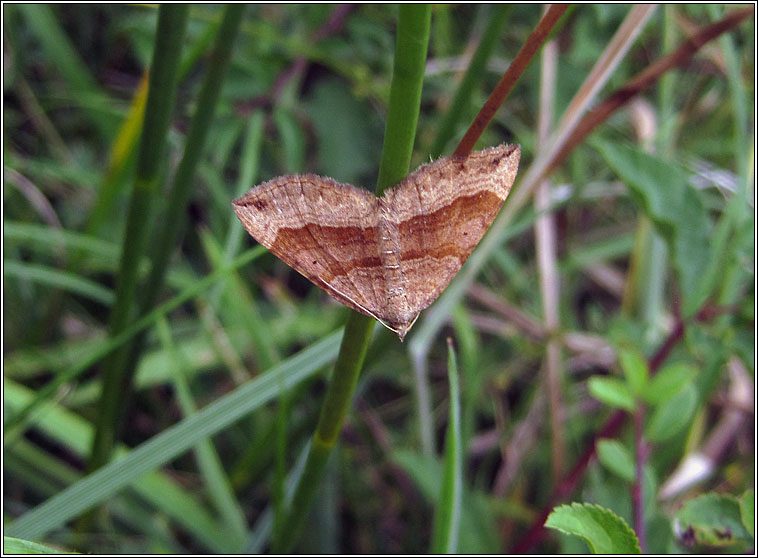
column 388, row 257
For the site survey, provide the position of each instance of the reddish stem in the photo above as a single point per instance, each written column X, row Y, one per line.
column 567, row 486
column 589, row 122
column 645, row 79
column 532, row 45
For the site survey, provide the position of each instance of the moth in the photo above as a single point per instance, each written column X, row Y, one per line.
column 388, row 257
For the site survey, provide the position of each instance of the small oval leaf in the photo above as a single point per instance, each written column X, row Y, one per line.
column 616, row 458
column 668, row 382
column 635, row 370
column 611, row 391
column 673, row 415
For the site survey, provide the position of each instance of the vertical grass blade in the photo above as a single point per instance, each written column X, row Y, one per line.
column 498, row 16
column 447, row 517
column 61, row 52
column 172, row 22
column 120, row 159
column 172, row 226
column 400, row 132
column 249, row 167
column 124, row 146
column 405, row 95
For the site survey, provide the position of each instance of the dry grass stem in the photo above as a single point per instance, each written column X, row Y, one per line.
column 640, row 82
column 545, row 244
column 563, row 136
column 527, row 324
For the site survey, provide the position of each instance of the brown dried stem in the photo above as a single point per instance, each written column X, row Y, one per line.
column 645, row 79
column 509, row 79
column 545, row 243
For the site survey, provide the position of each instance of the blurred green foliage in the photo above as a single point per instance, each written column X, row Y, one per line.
column 299, row 100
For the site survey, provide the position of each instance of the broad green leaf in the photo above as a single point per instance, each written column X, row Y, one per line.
column 611, row 391
column 673, row 415
column 603, row 530
column 616, row 458
column 635, row 370
column 668, row 382
column 661, row 189
column 747, row 511
column 713, row 520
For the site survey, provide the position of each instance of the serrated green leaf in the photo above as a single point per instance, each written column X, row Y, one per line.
column 668, row 382
column 635, row 369
column 676, row 209
column 673, row 415
column 616, row 458
column 713, row 520
column 747, row 511
column 604, row 531
column 611, row 391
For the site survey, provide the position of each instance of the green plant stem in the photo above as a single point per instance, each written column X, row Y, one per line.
column 122, row 151
column 172, row 22
column 400, row 131
column 172, row 224
column 405, row 95
column 339, row 395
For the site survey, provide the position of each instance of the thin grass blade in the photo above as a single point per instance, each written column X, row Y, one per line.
column 447, row 517
column 97, row 487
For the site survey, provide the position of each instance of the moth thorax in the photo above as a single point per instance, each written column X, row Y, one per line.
column 390, row 256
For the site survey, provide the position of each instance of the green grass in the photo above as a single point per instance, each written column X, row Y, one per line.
column 127, row 274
